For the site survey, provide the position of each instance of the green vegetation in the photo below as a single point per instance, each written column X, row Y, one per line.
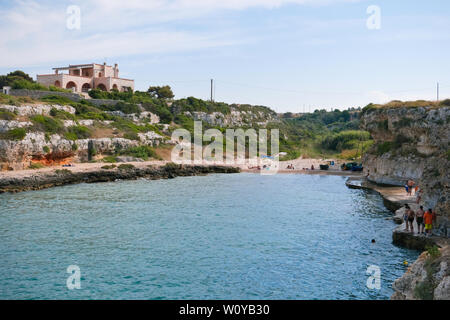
column 36, row 165
column 14, row 134
column 10, row 78
column 142, row 152
column 47, row 124
column 46, row 149
column 126, row 166
column 77, row 132
column 332, row 134
column 425, row 289
column 110, row 159
column 164, row 92
column 109, row 167
column 20, row 80
column 63, row 171
column 63, row 115
column 7, row 115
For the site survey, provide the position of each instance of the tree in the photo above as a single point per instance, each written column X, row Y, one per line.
column 11, row 77
column 164, row 92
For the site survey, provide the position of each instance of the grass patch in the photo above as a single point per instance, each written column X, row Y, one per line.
column 384, row 147
column 109, row 167
column 36, row 165
column 110, row 159
column 63, row 171
column 126, row 167
column 47, row 124
column 77, row 132
column 142, row 152
column 14, row 134
column 7, row 115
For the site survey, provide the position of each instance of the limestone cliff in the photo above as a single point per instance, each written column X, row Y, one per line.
column 428, row 278
column 411, row 142
column 38, row 144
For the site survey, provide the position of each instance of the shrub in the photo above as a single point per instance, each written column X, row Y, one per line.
column 60, row 114
column 110, row 159
column 36, row 165
column 25, row 84
column 56, row 99
column 14, row 134
column 433, row 251
column 143, row 152
column 47, row 124
column 445, row 102
column 77, row 132
column 126, row 166
column 7, row 115
column 384, row 147
column 131, row 136
column 74, row 147
column 109, row 167
column 46, row 149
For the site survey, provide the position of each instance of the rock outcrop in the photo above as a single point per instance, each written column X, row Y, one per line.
column 412, row 143
column 428, row 278
column 42, row 180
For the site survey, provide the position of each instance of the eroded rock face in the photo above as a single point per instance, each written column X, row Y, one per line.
column 18, row 155
column 427, row 278
column 417, row 141
column 37, row 109
column 235, row 118
column 6, row 125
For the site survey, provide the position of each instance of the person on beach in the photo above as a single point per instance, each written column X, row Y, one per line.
column 410, row 185
column 419, row 220
column 411, row 216
column 428, row 219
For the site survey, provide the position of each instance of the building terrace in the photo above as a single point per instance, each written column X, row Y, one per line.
column 84, row 77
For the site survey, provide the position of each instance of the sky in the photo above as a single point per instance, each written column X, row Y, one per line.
column 290, row 55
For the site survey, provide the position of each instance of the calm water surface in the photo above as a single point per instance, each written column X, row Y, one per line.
column 240, row 236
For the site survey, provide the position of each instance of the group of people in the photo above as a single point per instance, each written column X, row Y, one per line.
column 290, row 166
column 424, row 219
column 418, row 192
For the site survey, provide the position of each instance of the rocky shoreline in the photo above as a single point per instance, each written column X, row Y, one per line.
column 65, row 176
column 429, row 276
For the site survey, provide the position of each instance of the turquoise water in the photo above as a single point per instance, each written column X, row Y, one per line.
column 239, row 236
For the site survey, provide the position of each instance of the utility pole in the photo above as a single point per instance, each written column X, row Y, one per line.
column 212, row 83
column 437, row 92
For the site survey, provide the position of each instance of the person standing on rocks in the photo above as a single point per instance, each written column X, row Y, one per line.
column 405, row 216
column 428, row 219
column 419, row 220
column 411, row 216
column 410, row 185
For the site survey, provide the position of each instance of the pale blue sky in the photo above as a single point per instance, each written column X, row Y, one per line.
column 286, row 54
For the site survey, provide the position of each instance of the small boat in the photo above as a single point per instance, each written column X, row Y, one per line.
column 324, row 167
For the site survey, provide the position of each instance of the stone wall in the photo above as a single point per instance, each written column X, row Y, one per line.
column 38, row 94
